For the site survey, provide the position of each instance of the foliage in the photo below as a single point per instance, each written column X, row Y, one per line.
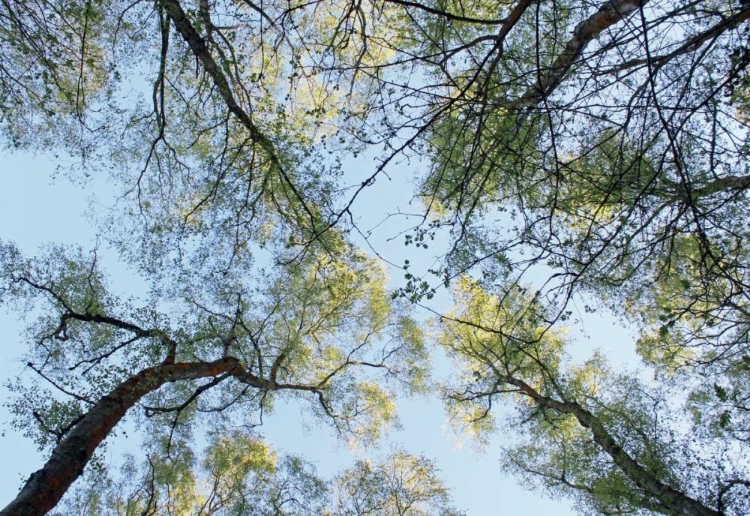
column 239, row 474
column 570, row 153
column 614, row 442
column 401, row 484
column 302, row 332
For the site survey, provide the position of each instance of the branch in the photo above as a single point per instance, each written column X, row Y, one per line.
column 58, row 387
column 689, row 46
column 150, row 411
column 445, row 14
column 199, row 48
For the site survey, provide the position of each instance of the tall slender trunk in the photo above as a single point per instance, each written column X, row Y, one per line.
column 46, row 487
column 671, row 501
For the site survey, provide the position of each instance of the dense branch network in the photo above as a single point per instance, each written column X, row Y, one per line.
column 571, row 153
column 328, row 309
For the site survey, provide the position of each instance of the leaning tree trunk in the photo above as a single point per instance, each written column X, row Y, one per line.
column 671, row 501
column 46, row 487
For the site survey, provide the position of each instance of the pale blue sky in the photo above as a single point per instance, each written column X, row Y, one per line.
column 35, row 210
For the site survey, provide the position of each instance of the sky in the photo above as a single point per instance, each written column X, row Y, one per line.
column 35, row 209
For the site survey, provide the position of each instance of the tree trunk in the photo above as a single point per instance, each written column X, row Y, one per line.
column 609, row 13
column 673, row 502
column 46, row 487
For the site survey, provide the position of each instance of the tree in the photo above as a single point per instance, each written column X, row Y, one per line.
column 301, row 331
column 607, row 157
column 400, row 485
column 575, row 152
column 239, row 474
column 612, row 172
column 513, row 103
column 615, row 443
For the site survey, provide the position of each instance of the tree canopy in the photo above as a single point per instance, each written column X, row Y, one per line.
column 565, row 157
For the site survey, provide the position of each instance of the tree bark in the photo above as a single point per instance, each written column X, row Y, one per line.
column 609, row 13
column 46, row 487
column 722, row 184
